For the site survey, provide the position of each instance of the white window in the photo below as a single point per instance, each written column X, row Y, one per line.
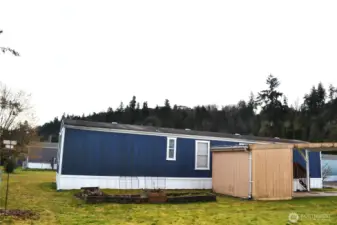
column 171, row 148
column 202, row 156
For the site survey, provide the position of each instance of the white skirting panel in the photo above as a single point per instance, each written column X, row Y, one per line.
column 57, row 179
column 68, row 182
column 42, row 166
column 314, row 183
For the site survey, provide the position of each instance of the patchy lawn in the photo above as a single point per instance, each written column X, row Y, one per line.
column 35, row 190
column 324, row 189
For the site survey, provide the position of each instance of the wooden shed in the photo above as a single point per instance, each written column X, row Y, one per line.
column 258, row 171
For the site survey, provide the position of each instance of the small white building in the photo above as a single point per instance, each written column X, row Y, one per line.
column 41, row 155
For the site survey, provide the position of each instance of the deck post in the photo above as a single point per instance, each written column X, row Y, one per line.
column 308, row 169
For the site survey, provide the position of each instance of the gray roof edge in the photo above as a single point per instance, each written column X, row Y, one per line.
column 229, row 148
column 141, row 128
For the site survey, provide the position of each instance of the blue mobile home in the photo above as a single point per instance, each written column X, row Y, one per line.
column 315, row 170
column 119, row 156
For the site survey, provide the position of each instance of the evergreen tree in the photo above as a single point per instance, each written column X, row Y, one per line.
column 165, row 114
column 332, row 92
column 133, row 103
column 313, row 120
column 321, row 95
column 145, row 111
column 272, row 107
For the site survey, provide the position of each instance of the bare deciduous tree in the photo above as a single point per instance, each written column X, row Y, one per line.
column 6, row 49
column 15, row 107
column 326, row 171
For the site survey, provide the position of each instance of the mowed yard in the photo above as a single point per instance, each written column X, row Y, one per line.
column 35, row 190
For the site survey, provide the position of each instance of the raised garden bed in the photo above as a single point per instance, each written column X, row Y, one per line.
column 95, row 195
column 193, row 197
column 175, row 194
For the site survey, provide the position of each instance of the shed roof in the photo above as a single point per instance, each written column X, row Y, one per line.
column 152, row 129
column 235, row 148
column 328, row 146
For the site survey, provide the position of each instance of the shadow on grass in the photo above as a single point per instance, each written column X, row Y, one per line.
column 38, row 170
column 48, row 186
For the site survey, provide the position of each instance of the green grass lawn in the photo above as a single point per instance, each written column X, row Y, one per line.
column 324, row 189
column 35, row 190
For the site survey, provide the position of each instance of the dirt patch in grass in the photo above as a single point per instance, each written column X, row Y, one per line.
column 176, row 194
column 20, row 214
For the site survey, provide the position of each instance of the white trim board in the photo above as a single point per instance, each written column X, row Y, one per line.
column 168, row 148
column 166, row 134
column 208, row 155
column 63, row 133
column 69, row 182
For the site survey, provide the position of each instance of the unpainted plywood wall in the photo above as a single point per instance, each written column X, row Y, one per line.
column 272, row 174
column 231, row 173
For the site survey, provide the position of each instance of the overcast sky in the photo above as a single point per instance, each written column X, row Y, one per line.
column 84, row 56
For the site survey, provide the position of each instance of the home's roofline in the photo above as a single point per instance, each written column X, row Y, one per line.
column 171, row 131
column 316, row 147
column 235, row 148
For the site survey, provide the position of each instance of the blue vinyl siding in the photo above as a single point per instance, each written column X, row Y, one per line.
column 314, row 163
column 115, row 154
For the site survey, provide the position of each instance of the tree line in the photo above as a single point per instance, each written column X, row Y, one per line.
column 267, row 114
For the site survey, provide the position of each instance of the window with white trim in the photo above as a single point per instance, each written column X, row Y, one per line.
column 202, row 155
column 171, row 148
